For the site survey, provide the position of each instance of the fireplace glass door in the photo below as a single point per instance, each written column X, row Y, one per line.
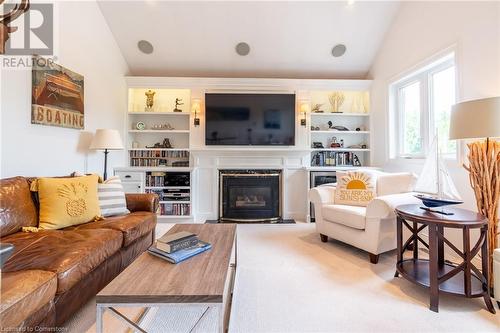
column 250, row 197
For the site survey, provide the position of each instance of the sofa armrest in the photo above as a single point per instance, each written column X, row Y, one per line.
column 322, row 194
column 383, row 207
column 146, row 202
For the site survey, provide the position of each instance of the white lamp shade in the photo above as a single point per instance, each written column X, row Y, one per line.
column 479, row 118
column 106, row 139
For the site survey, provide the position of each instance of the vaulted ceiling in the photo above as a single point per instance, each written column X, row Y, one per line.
column 287, row 39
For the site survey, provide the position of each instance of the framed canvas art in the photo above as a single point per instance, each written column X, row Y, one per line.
column 57, row 95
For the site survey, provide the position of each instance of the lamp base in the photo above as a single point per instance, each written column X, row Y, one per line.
column 484, row 176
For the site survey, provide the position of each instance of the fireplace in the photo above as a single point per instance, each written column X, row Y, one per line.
column 250, row 195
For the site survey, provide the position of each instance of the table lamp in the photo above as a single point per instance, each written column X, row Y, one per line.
column 480, row 119
column 106, row 139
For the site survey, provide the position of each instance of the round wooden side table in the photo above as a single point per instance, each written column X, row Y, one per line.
column 435, row 273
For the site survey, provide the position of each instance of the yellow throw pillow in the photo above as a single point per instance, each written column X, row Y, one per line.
column 67, row 201
column 354, row 188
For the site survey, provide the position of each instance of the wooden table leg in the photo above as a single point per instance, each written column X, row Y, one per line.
column 399, row 242
column 433, row 269
column 415, row 241
column 485, row 270
column 467, row 259
column 440, row 244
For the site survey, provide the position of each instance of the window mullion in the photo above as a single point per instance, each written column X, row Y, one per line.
column 424, row 112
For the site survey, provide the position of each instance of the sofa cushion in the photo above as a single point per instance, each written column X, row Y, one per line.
column 17, row 209
column 69, row 254
column 112, row 197
column 133, row 226
column 351, row 216
column 23, row 293
column 67, row 201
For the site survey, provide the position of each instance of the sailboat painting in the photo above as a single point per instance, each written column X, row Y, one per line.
column 435, row 186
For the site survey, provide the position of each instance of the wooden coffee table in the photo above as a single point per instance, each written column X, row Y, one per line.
column 150, row 282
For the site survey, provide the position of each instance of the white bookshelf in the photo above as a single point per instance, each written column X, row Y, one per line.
column 143, row 162
column 354, row 115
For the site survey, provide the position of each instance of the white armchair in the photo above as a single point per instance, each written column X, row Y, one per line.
column 371, row 228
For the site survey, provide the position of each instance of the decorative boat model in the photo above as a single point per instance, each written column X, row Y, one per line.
column 435, row 186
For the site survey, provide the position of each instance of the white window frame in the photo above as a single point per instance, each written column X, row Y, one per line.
column 423, row 75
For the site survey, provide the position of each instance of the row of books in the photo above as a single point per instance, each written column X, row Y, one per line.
column 155, row 179
column 159, row 153
column 175, row 209
column 139, row 162
column 178, row 247
column 329, row 158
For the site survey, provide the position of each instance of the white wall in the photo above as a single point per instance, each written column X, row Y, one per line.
column 86, row 46
column 420, row 31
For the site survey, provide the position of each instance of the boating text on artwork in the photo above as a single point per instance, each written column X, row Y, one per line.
column 57, row 95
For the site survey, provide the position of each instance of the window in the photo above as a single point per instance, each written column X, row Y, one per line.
column 421, row 104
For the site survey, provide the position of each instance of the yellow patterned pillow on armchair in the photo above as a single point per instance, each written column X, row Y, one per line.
column 67, row 201
column 355, row 188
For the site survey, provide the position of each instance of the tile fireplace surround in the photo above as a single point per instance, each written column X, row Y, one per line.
column 250, row 195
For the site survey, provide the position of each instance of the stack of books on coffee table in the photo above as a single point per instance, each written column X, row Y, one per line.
column 178, row 247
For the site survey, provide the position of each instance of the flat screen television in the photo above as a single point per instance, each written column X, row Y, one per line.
column 249, row 119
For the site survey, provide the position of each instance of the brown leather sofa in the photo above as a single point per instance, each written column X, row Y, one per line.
column 52, row 273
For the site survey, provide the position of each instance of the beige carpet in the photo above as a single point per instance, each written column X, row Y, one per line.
column 288, row 281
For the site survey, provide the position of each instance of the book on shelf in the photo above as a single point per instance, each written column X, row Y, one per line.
column 175, row 242
column 181, row 255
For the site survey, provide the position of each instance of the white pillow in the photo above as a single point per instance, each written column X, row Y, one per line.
column 355, row 188
column 112, row 197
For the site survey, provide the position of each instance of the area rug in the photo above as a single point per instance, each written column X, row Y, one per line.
column 288, row 281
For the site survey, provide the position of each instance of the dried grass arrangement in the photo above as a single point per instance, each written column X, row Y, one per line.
column 484, row 176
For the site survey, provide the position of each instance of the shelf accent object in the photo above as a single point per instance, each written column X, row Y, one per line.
column 106, row 139
column 479, row 119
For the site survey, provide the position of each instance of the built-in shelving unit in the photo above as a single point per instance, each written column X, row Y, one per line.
column 201, row 163
column 352, row 114
column 158, row 125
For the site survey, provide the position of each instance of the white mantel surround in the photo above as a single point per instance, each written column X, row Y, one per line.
column 206, row 161
column 292, row 162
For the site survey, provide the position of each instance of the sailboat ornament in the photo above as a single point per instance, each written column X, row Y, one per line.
column 435, row 184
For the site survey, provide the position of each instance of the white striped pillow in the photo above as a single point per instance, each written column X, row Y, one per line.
column 112, row 197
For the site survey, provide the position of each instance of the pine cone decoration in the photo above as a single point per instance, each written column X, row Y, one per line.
column 76, row 208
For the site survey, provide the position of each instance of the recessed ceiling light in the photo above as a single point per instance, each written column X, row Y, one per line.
column 145, row 46
column 350, row 2
column 338, row 50
column 242, row 48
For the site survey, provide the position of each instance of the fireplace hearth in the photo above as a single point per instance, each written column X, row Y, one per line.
column 250, row 195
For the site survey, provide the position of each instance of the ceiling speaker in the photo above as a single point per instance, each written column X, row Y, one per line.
column 338, row 50
column 145, row 47
column 242, row 49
